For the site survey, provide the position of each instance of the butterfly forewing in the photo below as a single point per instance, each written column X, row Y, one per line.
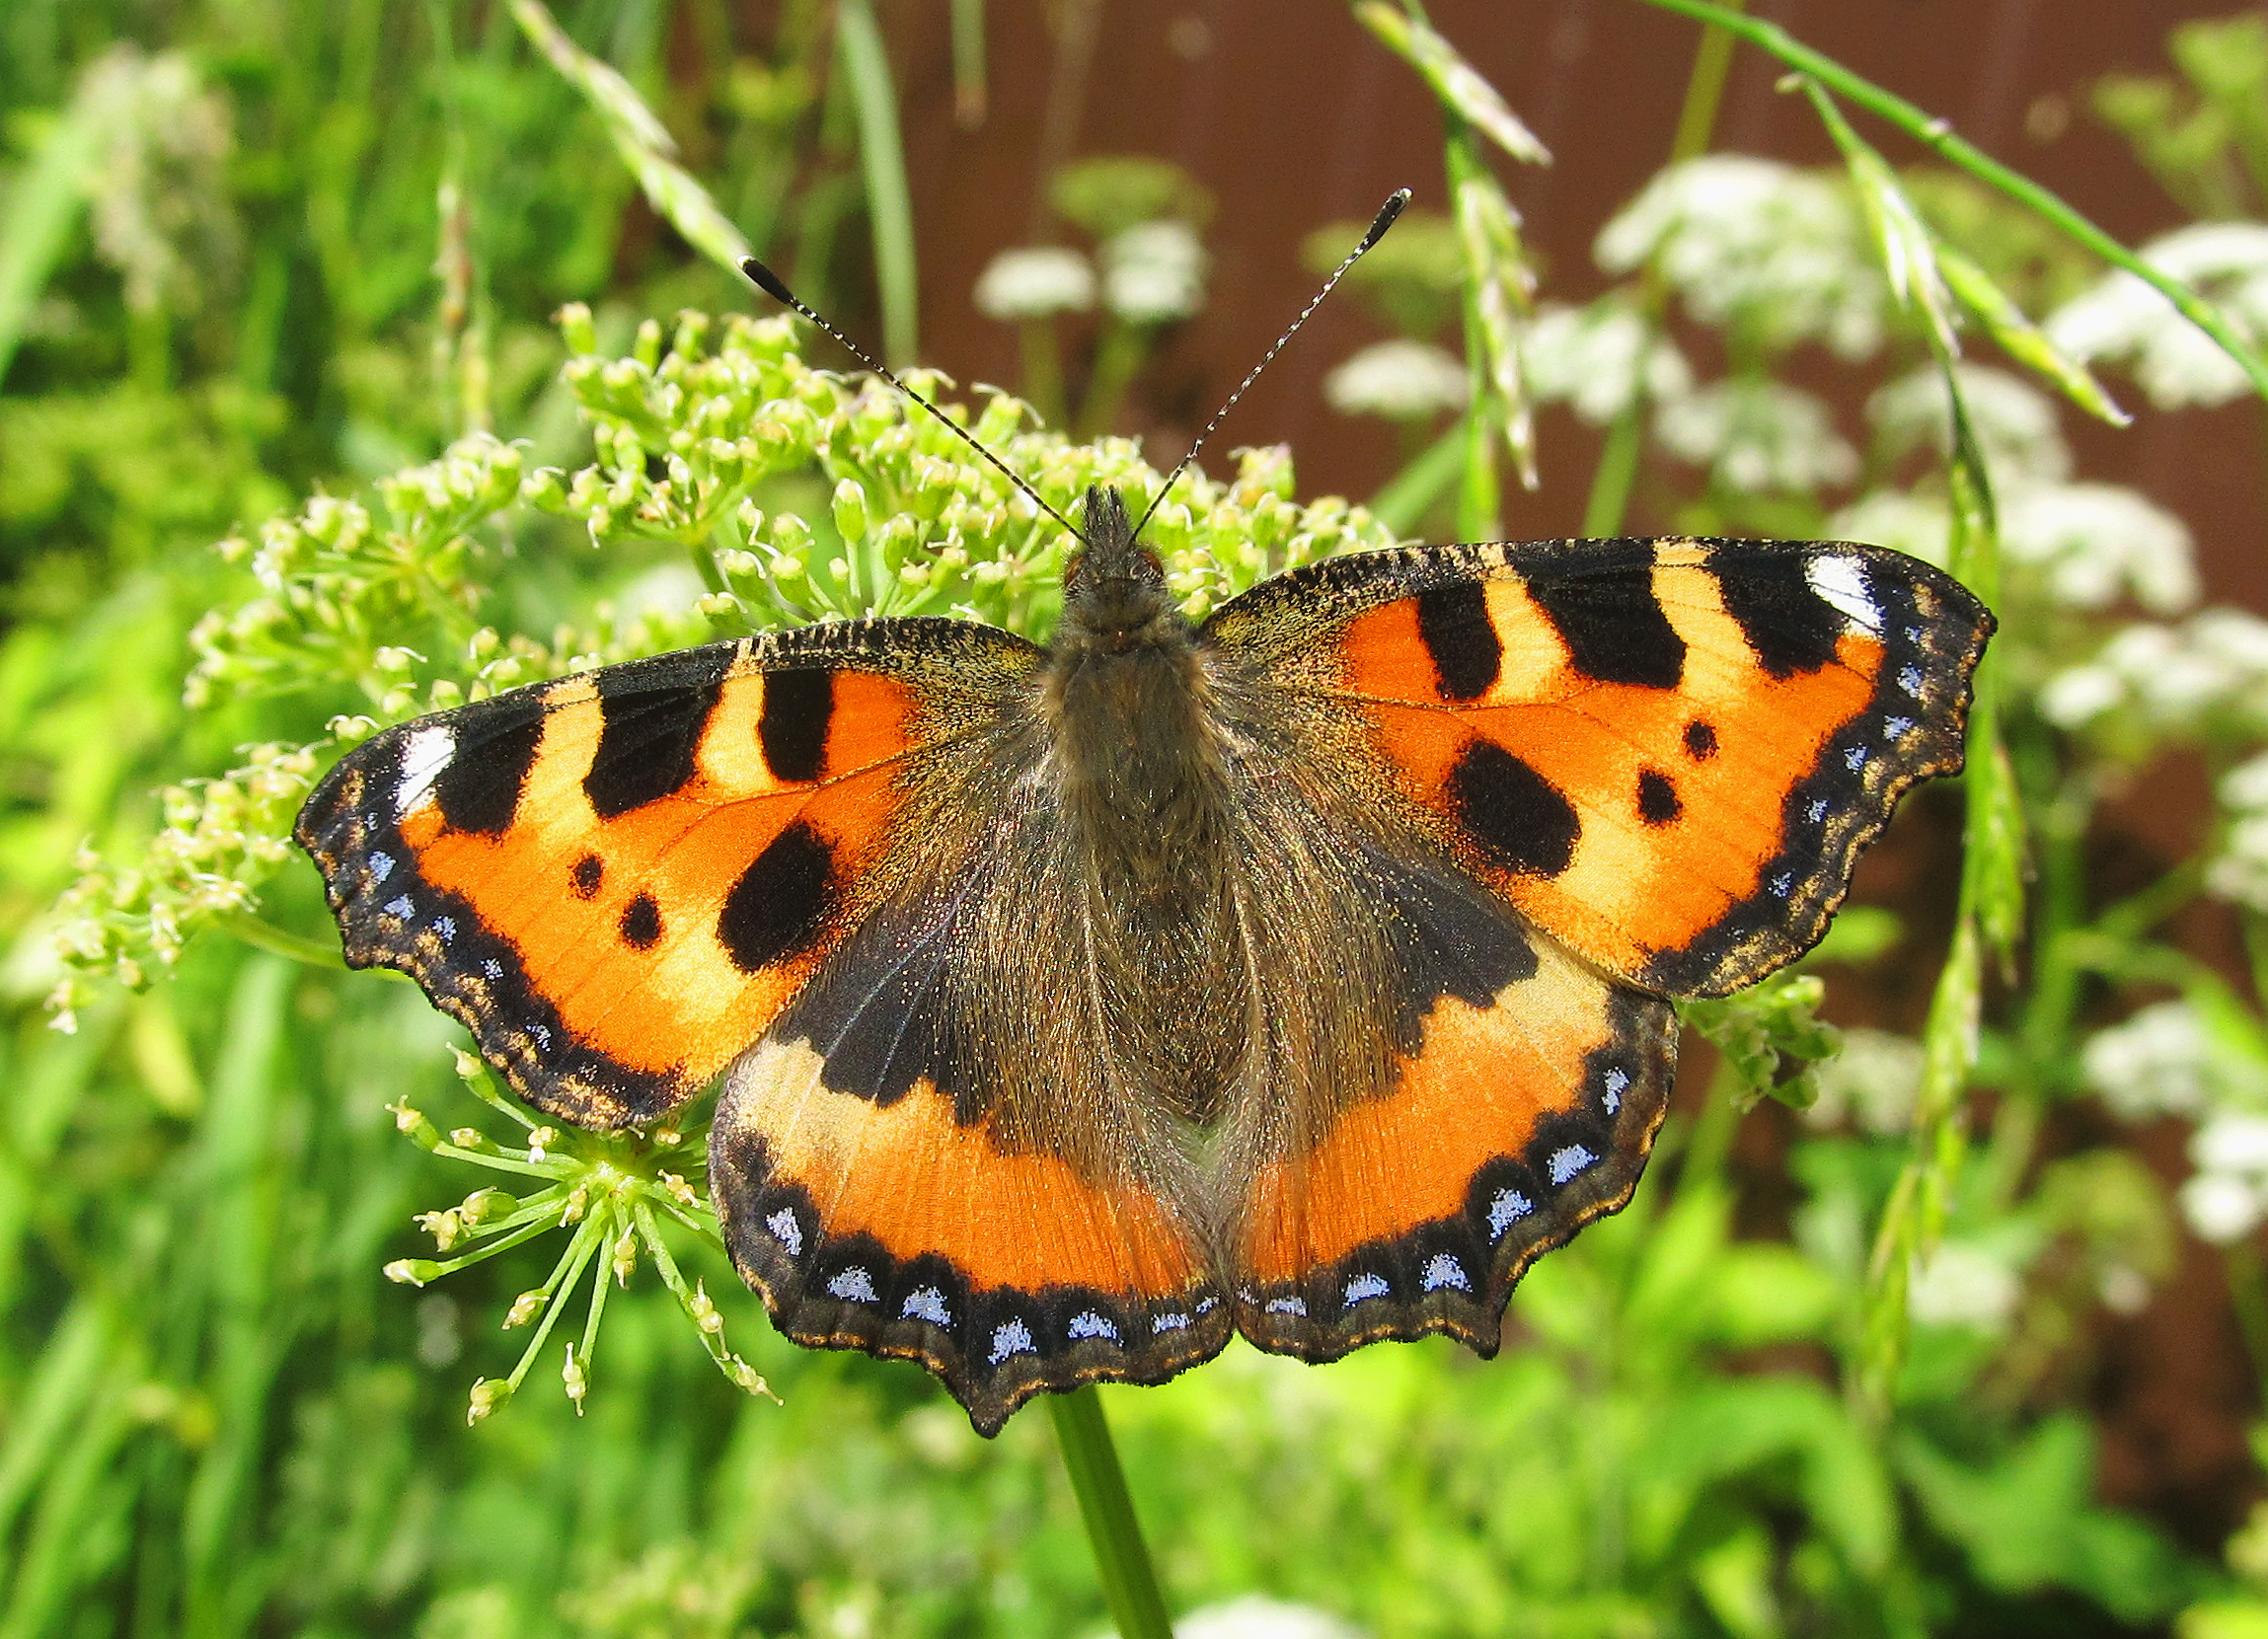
column 1665, row 753
column 615, row 880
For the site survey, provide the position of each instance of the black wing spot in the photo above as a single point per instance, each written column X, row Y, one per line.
column 1453, row 622
column 495, row 741
column 641, row 922
column 1701, row 740
column 650, row 734
column 799, row 707
column 1787, row 622
column 1658, row 802
column 782, row 900
column 1520, row 820
column 589, row 872
column 1609, row 618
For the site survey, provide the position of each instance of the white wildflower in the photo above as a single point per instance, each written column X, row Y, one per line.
column 2159, row 1062
column 1256, row 1616
column 2124, row 320
column 1964, row 1284
column 1917, row 525
column 2229, row 1194
column 1403, row 381
column 1154, row 272
column 1758, row 243
column 2211, row 670
column 1033, row 282
column 2221, row 1208
column 2098, row 543
column 1757, row 437
column 1598, row 358
column 1874, row 1080
column 2014, row 422
column 2240, row 871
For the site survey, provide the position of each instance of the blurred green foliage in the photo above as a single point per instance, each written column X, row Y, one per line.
column 215, row 1418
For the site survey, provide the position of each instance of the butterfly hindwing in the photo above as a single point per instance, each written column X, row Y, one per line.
column 616, row 879
column 893, row 1175
column 1519, row 1101
column 1666, row 753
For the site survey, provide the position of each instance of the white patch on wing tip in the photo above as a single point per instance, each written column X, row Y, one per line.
column 1842, row 582
column 425, row 754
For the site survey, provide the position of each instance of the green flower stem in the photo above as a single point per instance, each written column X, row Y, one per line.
column 266, row 935
column 1618, row 470
column 1120, row 1558
column 890, row 201
column 1936, row 134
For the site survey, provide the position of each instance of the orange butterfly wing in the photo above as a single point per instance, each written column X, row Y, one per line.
column 1666, row 754
column 617, row 879
column 1662, row 758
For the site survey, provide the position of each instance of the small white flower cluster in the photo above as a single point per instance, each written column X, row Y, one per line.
column 2168, row 1060
column 2227, row 1198
column 2240, row 871
column 158, row 193
column 2083, row 546
column 1153, row 273
column 1966, row 1283
column 1598, row 357
column 1873, row 1081
column 2159, row 1062
column 2125, row 321
column 1035, row 282
column 1756, row 436
column 1400, row 380
column 1778, row 252
column 2208, row 674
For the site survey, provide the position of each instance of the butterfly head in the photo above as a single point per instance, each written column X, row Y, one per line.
column 1114, row 593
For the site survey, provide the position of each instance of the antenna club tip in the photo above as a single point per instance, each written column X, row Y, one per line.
column 1387, row 213
column 764, row 280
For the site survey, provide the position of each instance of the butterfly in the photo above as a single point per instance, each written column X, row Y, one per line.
column 1304, row 973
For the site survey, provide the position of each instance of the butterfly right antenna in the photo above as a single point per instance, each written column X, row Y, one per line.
column 775, row 287
column 1379, row 224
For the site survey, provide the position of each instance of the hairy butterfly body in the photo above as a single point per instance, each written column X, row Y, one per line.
column 1300, row 974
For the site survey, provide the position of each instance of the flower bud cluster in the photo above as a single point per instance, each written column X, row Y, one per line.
column 218, row 841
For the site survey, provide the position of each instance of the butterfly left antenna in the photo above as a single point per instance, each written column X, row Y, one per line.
column 773, row 286
column 1379, row 224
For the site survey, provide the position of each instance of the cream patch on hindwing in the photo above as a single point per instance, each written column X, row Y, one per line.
column 1841, row 582
column 426, row 752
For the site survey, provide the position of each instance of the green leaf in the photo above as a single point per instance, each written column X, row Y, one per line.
column 1460, row 86
column 2021, row 339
